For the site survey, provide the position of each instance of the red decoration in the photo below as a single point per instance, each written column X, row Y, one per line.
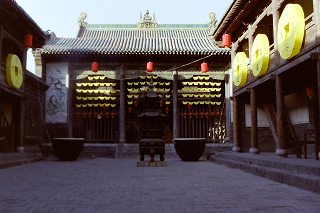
column 310, row 92
column 196, row 114
column 190, row 114
column 185, row 115
column 218, row 114
column 28, row 41
column 212, row 114
column 207, row 114
column 84, row 114
column 95, row 67
column 161, row 103
column 150, row 66
column 130, row 109
column 107, row 114
column 95, row 114
column 135, row 103
column 105, row 106
column 204, row 67
column 101, row 114
column 226, row 40
column 201, row 114
column 167, row 110
column 78, row 114
column 189, row 106
column 113, row 115
column 90, row 114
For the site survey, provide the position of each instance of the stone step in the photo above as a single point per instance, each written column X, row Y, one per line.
column 16, row 159
column 292, row 165
column 300, row 180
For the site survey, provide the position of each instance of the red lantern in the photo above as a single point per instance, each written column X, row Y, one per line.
column 90, row 114
column 95, row 114
column 226, row 40
column 95, row 67
column 167, row 110
column 101, row 114
column 185, row 115
column 204, row 67
column 196, row 114
column 150, row 66
column 207, row 114
column 201, row 114
column 218, row 114
column 161, row 103
column 105, row 106
column 28, row 41
column 78, row 114
column 212, row 114
column 310, row 93
column 130, row 109
column 189, row 106
column 84, row 114
column 107, row 114
column 190, row 114
column 112, row 115
column 135, row 103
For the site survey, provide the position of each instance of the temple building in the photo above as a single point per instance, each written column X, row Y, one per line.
column 275, row 74
column 21, row 92
column 99, row 78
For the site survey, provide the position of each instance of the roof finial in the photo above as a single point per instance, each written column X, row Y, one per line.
column 81, row 21
column 147, row 21
column 213, row 22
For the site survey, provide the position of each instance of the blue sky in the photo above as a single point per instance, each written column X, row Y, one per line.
column 61, row 16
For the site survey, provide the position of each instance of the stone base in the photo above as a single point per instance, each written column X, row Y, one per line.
column 254, row 151
column 236, row 149
column 151, row 164
column 283, row 153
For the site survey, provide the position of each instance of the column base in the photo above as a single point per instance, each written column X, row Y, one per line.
column 20, row 149
column 283, row 153
column 119, row 151
column 254, row 151
column 236, row 149
column 227, row 139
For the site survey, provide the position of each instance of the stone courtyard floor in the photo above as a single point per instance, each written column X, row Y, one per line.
column 111, row 185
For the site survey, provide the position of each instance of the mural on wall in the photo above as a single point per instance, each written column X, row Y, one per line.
column 56, row 95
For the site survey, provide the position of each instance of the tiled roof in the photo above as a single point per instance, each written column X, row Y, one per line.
column 128, row 39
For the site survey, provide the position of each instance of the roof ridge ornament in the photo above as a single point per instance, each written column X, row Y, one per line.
column 214, row 21
column 81, row 21
column 147, row 21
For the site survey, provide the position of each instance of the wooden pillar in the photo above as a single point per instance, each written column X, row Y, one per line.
column 281, row 150
column 236, row 127
column 122, row 113
column 254, row 123
column 176, row 128
column 20, row 147
column 275, row 20
column 316, row 18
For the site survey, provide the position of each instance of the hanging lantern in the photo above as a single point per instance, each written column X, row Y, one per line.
column 107, row 114
column 95, row 114
column 190, row 114
column 204, row 67
column 207, row 114
column 185, row 115
column 84, row 114
column 136, row 103
column 28, row 41
column 218, row 114
column 113, row 115
column 167, row 110
column 101, row 114
column 189, row 106
column 226, row 40
column 212, row 114
column 150, row 66
column 161, row 103
column 130, row 109
column 196, row 114
column 95, row 67
column 201, row 114
column 78, row 114
column 105, row 106
column 310, row 93
column 90, row 114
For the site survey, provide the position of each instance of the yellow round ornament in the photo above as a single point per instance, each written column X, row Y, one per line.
column 14, row 71
column 291, row 31
column 260, row 55
column 240, row 70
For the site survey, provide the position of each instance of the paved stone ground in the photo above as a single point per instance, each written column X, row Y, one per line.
column 110, row 185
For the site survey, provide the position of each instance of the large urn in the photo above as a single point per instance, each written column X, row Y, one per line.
column 67, row 149
column 189, row 149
